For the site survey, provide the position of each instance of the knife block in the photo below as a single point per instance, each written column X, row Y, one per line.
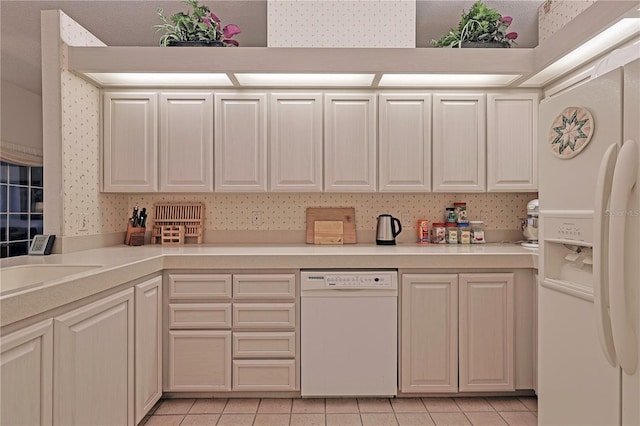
column 135, row 235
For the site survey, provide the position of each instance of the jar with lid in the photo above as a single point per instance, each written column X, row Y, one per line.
column 438, row 233
column 477, row 232
column 460, row 209
column 452, row 233
column 450, row 215
column 464, row 233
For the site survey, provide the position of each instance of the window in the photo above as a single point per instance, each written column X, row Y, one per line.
column 20, row 207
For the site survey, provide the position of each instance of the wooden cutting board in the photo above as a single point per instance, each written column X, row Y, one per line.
column 328, row 232
column 345, row 214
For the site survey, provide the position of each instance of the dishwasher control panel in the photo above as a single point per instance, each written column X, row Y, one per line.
column 358, row 281
column 362, row 280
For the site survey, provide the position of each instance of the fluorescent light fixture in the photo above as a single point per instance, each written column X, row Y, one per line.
column 446, row 80
column 304, row 80
column 161, row 79
column 621, row 30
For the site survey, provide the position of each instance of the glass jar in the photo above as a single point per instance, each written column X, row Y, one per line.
column 461, row 211
column 464, row 233
column 438, row 233
column 450, row 215
column 452, row 233
column 477, row 232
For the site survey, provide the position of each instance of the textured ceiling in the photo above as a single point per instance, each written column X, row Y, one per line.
column 130, row 23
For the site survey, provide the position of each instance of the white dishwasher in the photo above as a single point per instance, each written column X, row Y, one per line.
column 349, row 333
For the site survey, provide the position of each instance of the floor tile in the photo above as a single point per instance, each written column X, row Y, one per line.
column 307, row 419
column 507, row 404
column 342, row 405
column 241, row 406
column 414, row 419
column 519, row 418
column 208, row 406
column 441, row 405
column 275, row 405
column 408, row 405
column 236, row 420
column 155, row 407
column 343, row 419
column 379, row 419
column 308, row 406
column 531, row 402
column 200, row 420
column 271, row 419
column 374, row 405
column 168, row 420
column 473, row 404
column 450, row 419
column 175, row 406
column 485, row 419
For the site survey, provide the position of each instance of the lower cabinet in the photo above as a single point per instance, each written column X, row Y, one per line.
column 93, row 363
column 457, row 332
column 26, row 373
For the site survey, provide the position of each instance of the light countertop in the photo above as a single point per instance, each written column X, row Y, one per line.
column 121, row 264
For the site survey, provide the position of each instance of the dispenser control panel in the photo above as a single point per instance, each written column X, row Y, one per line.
column 578, row 229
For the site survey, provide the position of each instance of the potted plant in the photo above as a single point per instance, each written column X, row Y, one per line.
column 201, row 27
column 480, row 27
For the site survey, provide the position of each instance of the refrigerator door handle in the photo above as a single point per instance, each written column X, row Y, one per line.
column 600, row 250
column 624, row 179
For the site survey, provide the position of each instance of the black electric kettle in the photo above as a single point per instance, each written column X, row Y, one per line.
column 387, row 230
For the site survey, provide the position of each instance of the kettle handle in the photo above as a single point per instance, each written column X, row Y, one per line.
column 395, row 231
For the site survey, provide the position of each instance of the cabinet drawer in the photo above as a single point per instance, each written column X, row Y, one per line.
column 264, row 286
column 264, row 315
column 264, row 375
column 200, row 315
column 264, row 345
column 199, row 286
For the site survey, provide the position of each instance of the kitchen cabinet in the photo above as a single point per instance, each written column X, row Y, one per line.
column 26, row 374
column 459, row 142
column 512, row 142
column 148, row 346
column 429, row 333
column 186, row 141
column 350, row 163
column 295, row 142
column 93, row 378
column 486, row 332
column 458, row 332
column 240, row 142
column 404, row 122
column 130, row 141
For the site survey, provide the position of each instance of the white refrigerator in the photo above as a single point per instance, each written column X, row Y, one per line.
column 589, row 276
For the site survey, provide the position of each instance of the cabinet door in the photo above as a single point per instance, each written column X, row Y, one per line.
column 93, row 363
column 405, row 143
column 199, row 360
column 241, row 142
column 429, row 333
column 486, row 332
column 130, row 142
column 148, row 314
column 296, row 142
column 186, row 141
column 26, row 373
column 459, row 142
column 350, row 143
column 512, row 142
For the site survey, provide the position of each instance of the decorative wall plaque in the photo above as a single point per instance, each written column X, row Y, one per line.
column 570, row 132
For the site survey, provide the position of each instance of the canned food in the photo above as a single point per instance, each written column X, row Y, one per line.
column 423, row 231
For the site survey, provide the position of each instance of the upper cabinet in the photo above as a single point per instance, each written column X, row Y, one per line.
column 459, row 142
column 186, row 141
column 296, row 142
column 350, row 142
column 404, row 122
column 512, row 156
column 130, row 142
column 241, row 142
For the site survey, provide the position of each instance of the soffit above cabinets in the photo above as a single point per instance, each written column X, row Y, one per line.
column 357, row 67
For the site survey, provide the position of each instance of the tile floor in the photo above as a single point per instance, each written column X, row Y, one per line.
column 493, row 411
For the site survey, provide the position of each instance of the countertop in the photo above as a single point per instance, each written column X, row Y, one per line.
column 122, row 264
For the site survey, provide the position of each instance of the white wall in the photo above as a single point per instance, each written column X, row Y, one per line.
column 21, row 120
